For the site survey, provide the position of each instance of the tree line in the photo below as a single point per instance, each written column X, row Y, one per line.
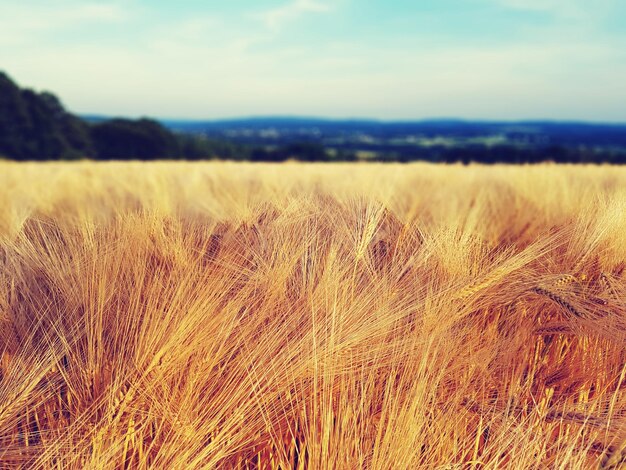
column 36, row 126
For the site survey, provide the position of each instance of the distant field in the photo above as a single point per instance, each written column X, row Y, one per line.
column 257, row 316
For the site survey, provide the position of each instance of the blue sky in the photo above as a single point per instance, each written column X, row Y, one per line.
column 393, row 59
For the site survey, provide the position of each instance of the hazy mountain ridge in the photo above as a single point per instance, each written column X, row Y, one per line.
column 439, row 140
column 542, row 131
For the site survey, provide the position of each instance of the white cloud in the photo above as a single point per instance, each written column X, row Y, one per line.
column 28, row 21
column 275, row 18
column 212, row 66
column 540, row 80
column 93, row 12
column 563, row 9
column 539, row 5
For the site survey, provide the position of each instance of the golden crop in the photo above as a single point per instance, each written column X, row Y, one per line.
column 222, row 315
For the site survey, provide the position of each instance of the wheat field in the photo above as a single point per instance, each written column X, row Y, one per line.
column 351, row 316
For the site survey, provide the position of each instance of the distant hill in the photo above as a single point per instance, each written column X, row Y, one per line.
column 439, row 140
column 537, row 132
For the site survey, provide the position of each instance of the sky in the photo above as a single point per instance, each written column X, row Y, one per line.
column 384, row 59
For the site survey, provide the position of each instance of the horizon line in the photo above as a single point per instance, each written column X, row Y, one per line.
column 372, row 120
